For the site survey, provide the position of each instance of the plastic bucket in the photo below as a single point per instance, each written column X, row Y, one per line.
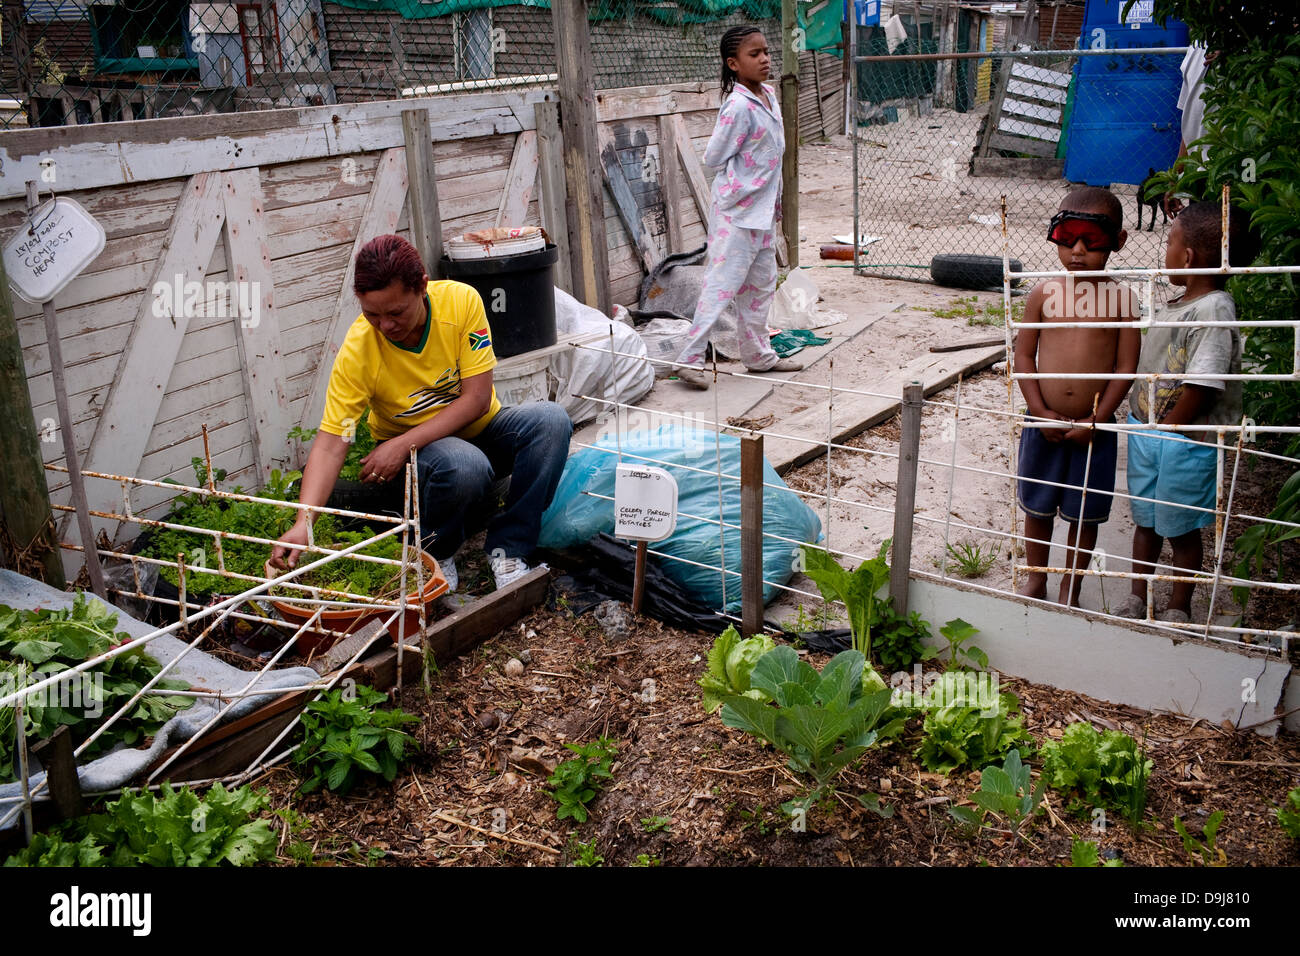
column 495, row 243
column 518, row 294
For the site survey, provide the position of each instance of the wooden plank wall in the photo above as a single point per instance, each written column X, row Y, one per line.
column 314, row 190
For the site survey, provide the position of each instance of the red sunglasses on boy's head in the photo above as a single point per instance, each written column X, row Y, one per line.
column 1097, row 230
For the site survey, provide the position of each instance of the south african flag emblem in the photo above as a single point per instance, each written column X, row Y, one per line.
column 479, row 340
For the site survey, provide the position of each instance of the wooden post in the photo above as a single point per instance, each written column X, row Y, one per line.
column 909, row 448
column 790, row 119
column 422, row 193
column 61, row 771
column 550, row 168
column 670, row 182
column 638, row 578
column 584, row 205
column 77, row 486
column 24, row 501
column 751, row 534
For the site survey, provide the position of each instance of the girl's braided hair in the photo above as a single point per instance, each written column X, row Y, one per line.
column 729, row 47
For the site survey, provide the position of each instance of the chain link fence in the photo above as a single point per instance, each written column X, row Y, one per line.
column 71, row 62
column 942, row 138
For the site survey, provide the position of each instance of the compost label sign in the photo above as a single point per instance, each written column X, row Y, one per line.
column 51, row 248
column 645, row 503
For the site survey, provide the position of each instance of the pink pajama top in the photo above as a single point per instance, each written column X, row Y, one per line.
column 747, row 143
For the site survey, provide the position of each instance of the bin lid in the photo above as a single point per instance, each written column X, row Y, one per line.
column 494, row 243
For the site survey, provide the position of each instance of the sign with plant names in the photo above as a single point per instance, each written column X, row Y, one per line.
column 645, row 503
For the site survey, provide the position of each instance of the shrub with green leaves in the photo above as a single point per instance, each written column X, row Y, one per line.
column 821, row 722
column 1105, row 769
column 968, row 723
column 579, row 779
column 1288, row 817
column 347, row 736
column 897, row 641
column 730, row 662
column 1253, row 545
column 38, row 644
column 169, row 828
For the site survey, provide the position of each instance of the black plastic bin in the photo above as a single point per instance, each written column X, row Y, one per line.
column 519, row 296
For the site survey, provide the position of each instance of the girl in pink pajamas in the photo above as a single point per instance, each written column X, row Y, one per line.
column 746, row 144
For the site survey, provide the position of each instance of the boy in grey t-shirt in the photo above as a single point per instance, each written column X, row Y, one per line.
column 1179, row 471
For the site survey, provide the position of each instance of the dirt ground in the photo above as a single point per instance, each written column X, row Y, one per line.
column 687, row 791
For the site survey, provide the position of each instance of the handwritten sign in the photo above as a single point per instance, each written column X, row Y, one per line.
column 645, row 503
column 51, row 249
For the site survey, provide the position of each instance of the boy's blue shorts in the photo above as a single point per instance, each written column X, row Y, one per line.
column 1064, row 462
column 1176, row 471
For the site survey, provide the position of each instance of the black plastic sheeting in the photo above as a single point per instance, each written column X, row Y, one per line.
column 603, row 570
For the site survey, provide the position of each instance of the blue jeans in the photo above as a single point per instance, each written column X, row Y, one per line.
column 530, row 443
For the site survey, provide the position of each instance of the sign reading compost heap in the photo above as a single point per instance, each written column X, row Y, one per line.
column 645, row 503
column 50, row 249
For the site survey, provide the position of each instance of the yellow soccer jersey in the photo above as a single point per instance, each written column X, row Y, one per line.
column 403, row 387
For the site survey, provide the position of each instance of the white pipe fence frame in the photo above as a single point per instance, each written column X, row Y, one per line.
column 191, row 615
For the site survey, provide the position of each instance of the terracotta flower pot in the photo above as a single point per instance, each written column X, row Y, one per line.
column 348, row 620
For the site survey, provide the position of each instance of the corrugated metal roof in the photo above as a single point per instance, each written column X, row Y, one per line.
column 44, row 11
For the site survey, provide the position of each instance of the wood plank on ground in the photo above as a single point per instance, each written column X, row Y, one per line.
column 854, row 414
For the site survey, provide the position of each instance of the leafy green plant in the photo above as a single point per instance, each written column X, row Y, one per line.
column 821, row 722
column 1288, row 817
column 1253, row 544
column 968, row 723
column 957, row 632
column 856, row 589
column 170, row 828
column 655, row 824
column 898, row 642
column 730, row 662
column 1105, row 769
column 1086, row 853
column 1207, row 850
column 348, row 735
column 38, row 644
column 1006, row 792
column 645, row 859
column 363, row 444
column 584, row 854
column 578, row 780
column 969, row 559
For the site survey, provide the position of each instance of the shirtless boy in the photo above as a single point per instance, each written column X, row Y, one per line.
column 1086, row 230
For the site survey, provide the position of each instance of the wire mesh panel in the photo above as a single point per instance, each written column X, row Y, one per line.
column 942, row 139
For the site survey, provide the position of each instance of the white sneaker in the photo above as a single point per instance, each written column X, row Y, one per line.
column 448, row 568
column 508, row 570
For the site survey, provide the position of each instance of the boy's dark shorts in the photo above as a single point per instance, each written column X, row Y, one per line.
column 1064, row 462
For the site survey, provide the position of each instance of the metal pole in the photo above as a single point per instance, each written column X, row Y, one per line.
column 65, row 428
column 851, row 95
column 909, row 449
column 751, row 533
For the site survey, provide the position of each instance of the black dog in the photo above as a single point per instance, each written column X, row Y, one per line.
column 1155, row 202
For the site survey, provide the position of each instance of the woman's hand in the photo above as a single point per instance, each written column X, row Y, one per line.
column 386, row 460
column 290, row 544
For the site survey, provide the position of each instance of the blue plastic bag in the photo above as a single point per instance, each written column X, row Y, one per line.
column 693, row 457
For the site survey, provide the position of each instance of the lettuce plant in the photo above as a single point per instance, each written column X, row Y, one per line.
column 1104, row 769
column 731, row 661
column 968, row 723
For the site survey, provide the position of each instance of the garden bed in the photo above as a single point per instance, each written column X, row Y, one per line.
column 687, row 790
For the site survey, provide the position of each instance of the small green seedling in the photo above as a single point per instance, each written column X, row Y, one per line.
column 1085, row 853
column 970, row 560
column 584, row 854
column 957, row 632
column 655, row 824
column 578, row 780
column 1006, row 792
column 1207, row 850
column 645, row 859
column 1288, row 817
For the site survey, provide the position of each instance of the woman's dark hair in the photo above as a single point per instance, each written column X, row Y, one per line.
column 385, row 259
column 729, row 47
